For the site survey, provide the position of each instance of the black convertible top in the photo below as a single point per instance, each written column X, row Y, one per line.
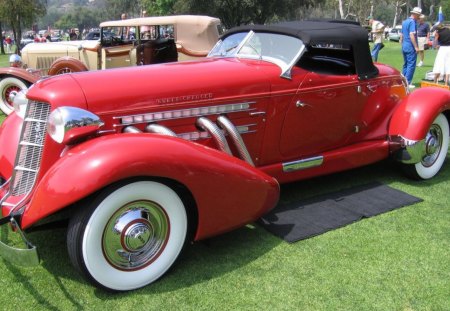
column 325, row 32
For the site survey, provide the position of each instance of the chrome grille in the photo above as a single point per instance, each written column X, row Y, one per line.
column 29, row 153
column 44, row 63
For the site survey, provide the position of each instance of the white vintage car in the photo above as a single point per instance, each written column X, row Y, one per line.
column 122, row 43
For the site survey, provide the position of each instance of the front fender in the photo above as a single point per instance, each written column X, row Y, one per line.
column 413, row 117
column 10, row 131
column 228, row 191
column 30, row 77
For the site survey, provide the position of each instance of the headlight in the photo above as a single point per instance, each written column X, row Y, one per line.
column 20, row 103
column 69, row 124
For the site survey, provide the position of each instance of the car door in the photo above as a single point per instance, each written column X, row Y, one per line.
column 323, row 115
column 118, row 56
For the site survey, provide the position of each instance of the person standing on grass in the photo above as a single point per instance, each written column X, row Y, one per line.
column 423, row 35
column 377, row 35
column 409, row 45
column 442, row 62
column 8, row 42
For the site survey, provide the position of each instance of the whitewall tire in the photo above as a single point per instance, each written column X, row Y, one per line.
column 129, row 236
column 9, row 86
column 436, row 145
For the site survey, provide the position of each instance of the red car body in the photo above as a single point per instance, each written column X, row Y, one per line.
column 292, row 121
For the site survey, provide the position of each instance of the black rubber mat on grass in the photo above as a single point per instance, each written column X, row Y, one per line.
column 317, row 215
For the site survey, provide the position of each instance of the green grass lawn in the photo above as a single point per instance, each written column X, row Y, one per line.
column 396, row 261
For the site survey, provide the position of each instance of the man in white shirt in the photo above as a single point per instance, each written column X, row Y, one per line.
column 377, row 35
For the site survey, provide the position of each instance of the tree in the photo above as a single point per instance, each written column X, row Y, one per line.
column 79, row 17
column 21, row 13
column 239, row 12
column 115, row 8
column 445, row 9
column 158, row 7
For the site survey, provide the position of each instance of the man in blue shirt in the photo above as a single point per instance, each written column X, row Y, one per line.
column 423, row 35
column 410, row 47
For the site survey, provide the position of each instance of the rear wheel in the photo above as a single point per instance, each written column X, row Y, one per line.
column 129, row 236
column 436, row 148
column 9, row 87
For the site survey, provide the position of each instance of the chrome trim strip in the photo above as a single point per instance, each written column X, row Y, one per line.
column 35, row 120
column 215, row 132
column 24, row 143
column 229, row 128
column 185, row 113
column 25, row 169
column 302, row 164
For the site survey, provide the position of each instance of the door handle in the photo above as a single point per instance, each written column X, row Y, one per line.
column 300, row 104
column 372, row 87
column 257, row 113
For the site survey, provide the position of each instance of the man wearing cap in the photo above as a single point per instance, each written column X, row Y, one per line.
column 377, row 35
column 410, row 47
column 423, row 35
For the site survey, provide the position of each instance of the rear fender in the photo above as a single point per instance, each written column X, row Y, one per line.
column 23, row 74
column 228, row 192
column 413, row 117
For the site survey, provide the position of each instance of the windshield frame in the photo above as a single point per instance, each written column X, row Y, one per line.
column 238, row 51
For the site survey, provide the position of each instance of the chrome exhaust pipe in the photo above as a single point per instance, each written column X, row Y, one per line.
column 159, row 129
column 131, row 129
column 236, row 137
column 215, row 132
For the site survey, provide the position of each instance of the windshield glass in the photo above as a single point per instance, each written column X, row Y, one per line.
column 280, row 49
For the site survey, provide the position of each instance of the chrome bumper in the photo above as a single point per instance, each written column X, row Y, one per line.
column 27, row 256
column 411, row 151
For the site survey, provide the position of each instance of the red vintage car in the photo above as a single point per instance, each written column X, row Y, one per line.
column 145, row 159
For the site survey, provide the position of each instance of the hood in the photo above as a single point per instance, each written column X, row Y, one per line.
column 41, row 55
column 73, row 46
column 174, row 84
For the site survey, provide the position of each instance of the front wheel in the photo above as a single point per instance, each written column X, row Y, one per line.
column 436, row 148
column 129, row 236
column 9, row 87
column 66, row 65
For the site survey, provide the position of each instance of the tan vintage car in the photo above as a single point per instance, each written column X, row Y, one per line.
column 122, row 43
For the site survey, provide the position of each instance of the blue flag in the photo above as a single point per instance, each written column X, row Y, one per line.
column 440, row 15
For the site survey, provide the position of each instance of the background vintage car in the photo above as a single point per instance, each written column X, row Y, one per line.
column 394, row 33
column 129, row 42
column 200, row 147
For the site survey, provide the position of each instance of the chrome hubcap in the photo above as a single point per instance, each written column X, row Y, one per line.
column 9, row 94
column 135, row 235
column 433, row 143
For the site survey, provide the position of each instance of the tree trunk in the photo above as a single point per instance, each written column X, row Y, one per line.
column 1, row 39
column 341, row 8
column 397, row 12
